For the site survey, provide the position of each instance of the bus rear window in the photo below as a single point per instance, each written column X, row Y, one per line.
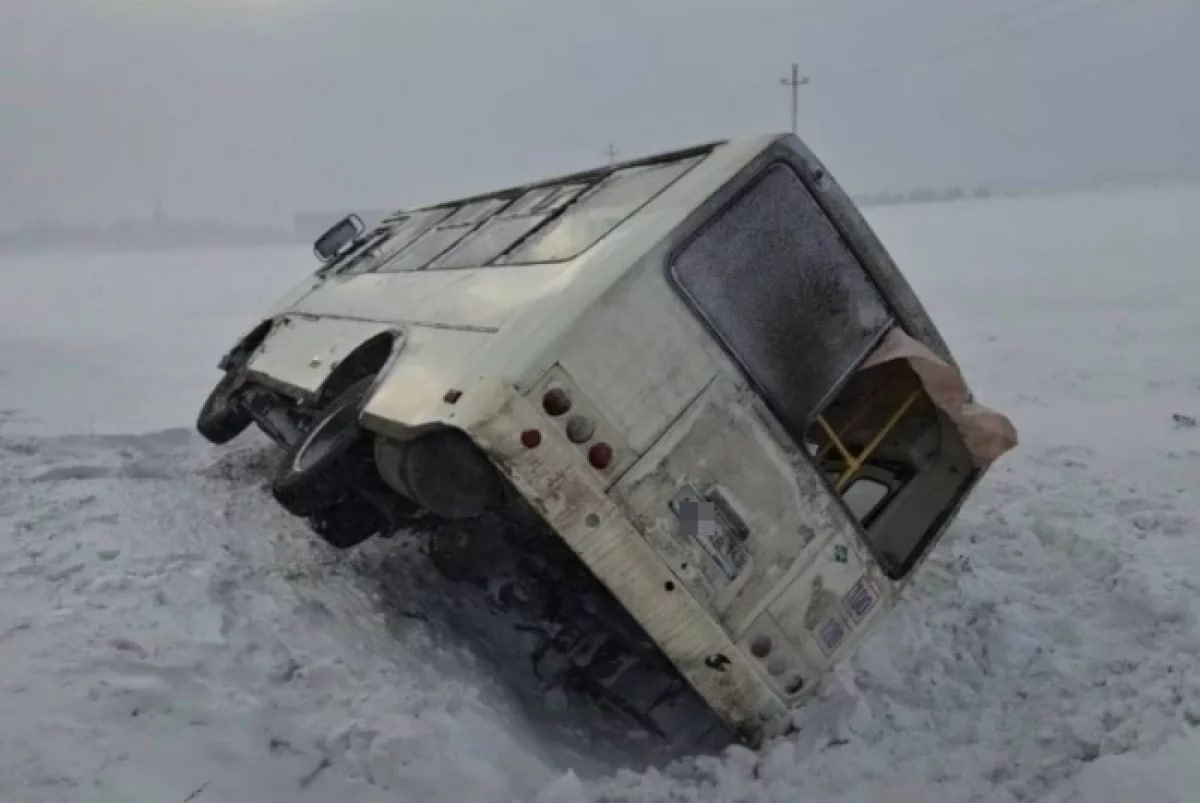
column 782, row 292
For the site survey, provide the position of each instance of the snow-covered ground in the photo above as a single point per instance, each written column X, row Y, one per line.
column 168, row 635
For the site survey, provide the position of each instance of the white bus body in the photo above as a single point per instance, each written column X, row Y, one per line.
column 701, row 371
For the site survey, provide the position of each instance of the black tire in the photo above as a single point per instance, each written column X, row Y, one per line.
column 348, row 523
column 221, row 418
column 333, row 460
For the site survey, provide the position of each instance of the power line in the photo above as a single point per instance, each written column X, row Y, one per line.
column 1009, row 15
column 971, row 44
column 1012, row 31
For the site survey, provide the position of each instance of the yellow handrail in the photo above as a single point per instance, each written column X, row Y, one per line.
column 854, row 464
column 862, row 410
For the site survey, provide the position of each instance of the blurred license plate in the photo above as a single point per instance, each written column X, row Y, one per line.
column 712, row 524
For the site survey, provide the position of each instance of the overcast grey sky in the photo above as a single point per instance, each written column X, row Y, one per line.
column 259, row 108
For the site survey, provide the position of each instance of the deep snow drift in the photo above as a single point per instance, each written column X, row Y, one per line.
column 166, row 634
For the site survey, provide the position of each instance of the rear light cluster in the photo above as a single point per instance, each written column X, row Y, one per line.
column 761, row 647
column 580, row 429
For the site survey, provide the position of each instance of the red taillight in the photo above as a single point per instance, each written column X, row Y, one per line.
column 556, row 402
column 600, row 456
column 531, row 438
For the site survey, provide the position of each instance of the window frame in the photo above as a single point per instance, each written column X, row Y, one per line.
column 591, row 179
column 695, row 231
column 895, row 573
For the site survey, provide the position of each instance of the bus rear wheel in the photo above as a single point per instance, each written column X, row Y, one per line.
column 328, row 476
column 331, row 458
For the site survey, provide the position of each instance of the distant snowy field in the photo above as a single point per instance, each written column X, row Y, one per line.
column 166, row 632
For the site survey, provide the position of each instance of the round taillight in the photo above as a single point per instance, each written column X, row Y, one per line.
column 580, row 429
column 600, row 456
column 531, row 438
column 556, row 402
column 761, row 647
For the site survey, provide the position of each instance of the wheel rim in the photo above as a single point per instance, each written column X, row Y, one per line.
column 325, row 436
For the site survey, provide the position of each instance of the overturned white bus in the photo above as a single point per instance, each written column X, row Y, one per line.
column 683, row 414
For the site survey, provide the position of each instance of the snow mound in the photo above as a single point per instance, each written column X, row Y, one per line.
column 1169, row 775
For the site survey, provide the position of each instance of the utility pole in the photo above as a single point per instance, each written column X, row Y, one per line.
column 795, row 82
column 612, row 154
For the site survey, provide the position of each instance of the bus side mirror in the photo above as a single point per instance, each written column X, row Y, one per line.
column 338, row 237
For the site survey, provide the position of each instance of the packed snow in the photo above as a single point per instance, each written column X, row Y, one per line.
column 168, row 635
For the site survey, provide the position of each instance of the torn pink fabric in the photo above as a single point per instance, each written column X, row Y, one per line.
column 986, row 433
